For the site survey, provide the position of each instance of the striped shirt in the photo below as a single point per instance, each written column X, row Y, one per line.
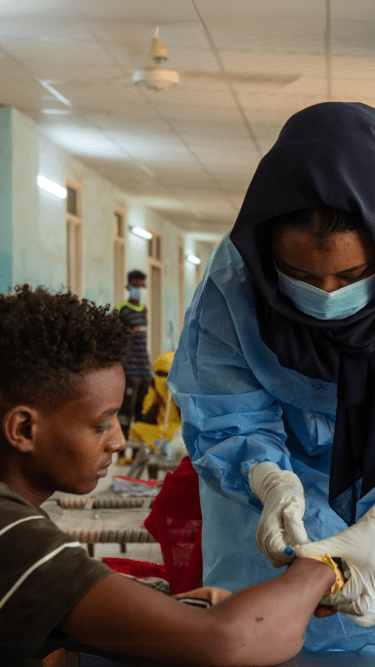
column 137, row 363
column 43, row 573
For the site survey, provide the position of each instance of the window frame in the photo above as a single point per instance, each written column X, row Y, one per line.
column 74, row 241
column 118, row 251
column 181, row 281
column 152, row 261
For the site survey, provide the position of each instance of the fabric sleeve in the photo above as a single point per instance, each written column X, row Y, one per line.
column 148, row 401
column 124, row 316
column 44, row 573
column 229, row 420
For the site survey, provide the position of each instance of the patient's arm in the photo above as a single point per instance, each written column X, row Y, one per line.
column 261, row 625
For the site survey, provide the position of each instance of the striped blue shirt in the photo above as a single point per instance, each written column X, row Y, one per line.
column 137, row 364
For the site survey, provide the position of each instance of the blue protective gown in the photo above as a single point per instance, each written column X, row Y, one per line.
column 239, row 406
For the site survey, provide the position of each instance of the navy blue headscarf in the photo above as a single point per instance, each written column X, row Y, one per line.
column 325, row 155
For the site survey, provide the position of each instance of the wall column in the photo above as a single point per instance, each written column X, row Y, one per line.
column 6, row 230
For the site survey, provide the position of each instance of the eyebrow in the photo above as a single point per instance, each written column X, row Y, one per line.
column 354, row 268
column 108, row 413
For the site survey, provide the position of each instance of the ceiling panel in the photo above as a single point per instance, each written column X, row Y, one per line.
column 35, row 7
column 287, row 35
column 202, row 128
column 135, row 11
column 187, row 152
column 221, row 12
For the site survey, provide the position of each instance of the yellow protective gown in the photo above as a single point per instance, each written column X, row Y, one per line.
column 143, row 432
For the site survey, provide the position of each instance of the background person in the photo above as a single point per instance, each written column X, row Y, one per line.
column 153, row 417
column 275, row 370
column 137, row 366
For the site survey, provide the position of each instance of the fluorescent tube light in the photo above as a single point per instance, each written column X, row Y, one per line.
column 142, row 232
column 56, row 112
column 51, row 187
column 193, row 259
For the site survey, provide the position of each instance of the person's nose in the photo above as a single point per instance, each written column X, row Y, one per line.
column 117, row 440
column 328, row 283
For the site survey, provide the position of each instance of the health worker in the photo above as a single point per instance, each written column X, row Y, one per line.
column 275, row 369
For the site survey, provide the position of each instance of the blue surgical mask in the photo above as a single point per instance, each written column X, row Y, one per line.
column 328, row 305
column 134, row 293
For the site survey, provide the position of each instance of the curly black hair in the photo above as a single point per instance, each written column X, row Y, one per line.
column 48, row 342
column 136, row 275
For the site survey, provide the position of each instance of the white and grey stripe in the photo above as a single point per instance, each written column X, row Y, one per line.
column 15, row 523
column 37, row 564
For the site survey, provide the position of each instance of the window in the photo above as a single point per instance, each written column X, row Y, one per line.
column 155, row 246
column 180, row 251
column 197, row 274
column 181, row 276
column 71, row 200
column 118, row 254
column 155, row 294
column 119, row 223
column 158, row 247
column 74, row 236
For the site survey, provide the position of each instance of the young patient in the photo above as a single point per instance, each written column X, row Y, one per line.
column 61, row 386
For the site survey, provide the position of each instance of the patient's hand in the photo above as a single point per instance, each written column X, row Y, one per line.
column 356, row 545
column 323, row 612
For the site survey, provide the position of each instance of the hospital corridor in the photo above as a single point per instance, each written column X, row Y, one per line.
column 187, row 333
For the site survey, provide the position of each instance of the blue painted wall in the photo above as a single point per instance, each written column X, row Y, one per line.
column 33, row 225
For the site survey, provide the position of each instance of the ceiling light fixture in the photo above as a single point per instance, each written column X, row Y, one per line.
column 139, row 231
column 193, row 259
column 56, row 112
column 47, row 85
column 156, row 78
column 51, row 187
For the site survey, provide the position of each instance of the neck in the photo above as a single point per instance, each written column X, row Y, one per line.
column 135, row 302
column 18, row 484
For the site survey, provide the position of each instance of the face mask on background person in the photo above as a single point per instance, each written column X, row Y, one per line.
column 134, row 293
column 327, row 305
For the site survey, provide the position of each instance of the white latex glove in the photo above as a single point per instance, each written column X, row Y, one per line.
column 356, row 545
column 280, row 524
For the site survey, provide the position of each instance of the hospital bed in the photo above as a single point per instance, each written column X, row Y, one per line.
column 102, row 523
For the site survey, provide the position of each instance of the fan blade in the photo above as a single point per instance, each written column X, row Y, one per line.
column 82, row 84
column 239, row 77
column 133, row 45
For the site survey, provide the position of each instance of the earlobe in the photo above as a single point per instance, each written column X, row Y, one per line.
column 18, row 427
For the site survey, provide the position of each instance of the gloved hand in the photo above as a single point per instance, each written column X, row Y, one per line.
column 356, row 545
column 280, row 524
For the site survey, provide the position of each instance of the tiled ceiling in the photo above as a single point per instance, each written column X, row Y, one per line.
column 187, row 152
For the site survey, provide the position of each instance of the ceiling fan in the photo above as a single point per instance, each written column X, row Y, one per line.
column 159, row 78
column 156, row 77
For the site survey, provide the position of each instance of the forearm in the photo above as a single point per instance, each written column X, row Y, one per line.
column 261, row 625
column 268, row 620
column 124, row 616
